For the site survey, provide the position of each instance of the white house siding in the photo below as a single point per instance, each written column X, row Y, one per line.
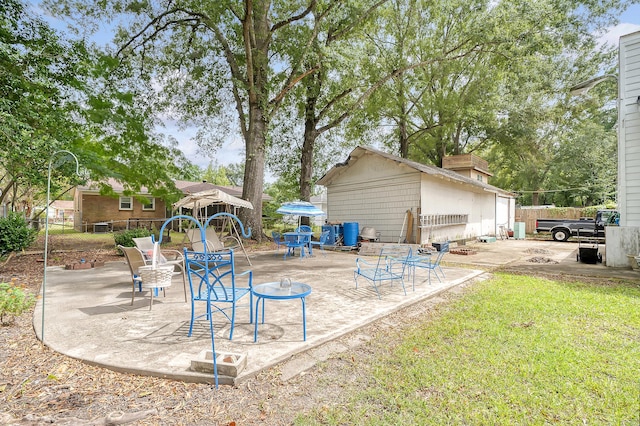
column 375, row 192
column 623, row 240
column 320, row 201
column 442, row 197
column 629, row 149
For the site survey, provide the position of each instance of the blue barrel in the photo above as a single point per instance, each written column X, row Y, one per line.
column 350, row 230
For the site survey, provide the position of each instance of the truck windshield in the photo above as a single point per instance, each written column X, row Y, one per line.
column 607, row 216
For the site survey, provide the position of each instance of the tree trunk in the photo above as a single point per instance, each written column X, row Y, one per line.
column 306, row 164
column 535, row 199
column 257, row 42
column 313, row 84
column 254, row 173
column 404, row 139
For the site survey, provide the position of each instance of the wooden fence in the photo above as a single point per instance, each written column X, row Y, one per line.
column 529, row 216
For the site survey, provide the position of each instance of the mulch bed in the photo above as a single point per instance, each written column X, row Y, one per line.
column 40, row 386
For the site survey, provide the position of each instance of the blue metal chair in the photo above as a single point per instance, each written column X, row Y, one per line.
column 322, row 242
column 391, row 265
column 212, row 279
column 304, row 228
column 292, row 242
column 277, row 238
column 426, row 262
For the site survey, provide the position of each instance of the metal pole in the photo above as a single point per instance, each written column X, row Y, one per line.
column 46, row 230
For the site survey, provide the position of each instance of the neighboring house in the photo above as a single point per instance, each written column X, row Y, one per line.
column 376, row 189
column 320, row 201
column 61, row 211
column 625, row 239
column 100, row 212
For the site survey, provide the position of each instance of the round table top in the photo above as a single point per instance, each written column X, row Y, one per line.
column 273, row 290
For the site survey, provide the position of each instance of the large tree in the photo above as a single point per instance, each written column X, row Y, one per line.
column 200, row 57
column 506, row 89
column 53, row 99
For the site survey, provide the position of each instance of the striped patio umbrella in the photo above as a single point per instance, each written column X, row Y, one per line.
column 300, row 208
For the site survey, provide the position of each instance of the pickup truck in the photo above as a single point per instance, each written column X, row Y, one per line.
column 562, row 229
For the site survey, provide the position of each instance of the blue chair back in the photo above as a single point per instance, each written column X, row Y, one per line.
column 211, row 275
column 277, row 238
column 304, row 228
column 212, row 279
column 324, row 237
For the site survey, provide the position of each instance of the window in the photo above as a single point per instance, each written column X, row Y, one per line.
column 126, row 203
column 151, row 206
column 479, row 177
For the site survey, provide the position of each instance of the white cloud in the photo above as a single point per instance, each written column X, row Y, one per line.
column 612, row 36
column 232, row 151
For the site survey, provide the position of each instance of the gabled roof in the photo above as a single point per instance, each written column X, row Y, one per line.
column 118, row 187
column 62, row 205
column 193, row 187
column 185, row 186
column 360, row 151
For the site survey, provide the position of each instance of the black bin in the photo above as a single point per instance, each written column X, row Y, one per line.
column 441, row 246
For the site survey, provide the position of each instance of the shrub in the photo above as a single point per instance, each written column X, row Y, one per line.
column 13, row 301
column 125, row 238
column 15, row 234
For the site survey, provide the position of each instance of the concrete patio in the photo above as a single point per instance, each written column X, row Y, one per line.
column 89, row 316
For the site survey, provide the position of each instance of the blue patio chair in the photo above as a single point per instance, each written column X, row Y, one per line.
column 212, row 280
column 277, row 238
column 391, row 265
column 322, row 242
column 304, row 228
column 444, row 248
column 292, row 242
column 428, row 263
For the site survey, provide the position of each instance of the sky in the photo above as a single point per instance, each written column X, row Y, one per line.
column 233, row 149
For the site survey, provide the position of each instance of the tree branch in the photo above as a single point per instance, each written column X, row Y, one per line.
column 292, row 82
column 332, row 36
column 158, row 19
column 383, row 80
column 333, row 101
column 294, row 18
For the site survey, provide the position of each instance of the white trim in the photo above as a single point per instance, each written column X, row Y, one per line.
column 153, row 205
column 120, row 202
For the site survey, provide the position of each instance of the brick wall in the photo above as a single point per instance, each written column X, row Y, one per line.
column 99, row 208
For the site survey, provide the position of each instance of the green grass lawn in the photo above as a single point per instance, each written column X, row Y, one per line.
column 513, row 350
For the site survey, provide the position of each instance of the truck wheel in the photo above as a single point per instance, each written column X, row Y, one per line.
column 560, row 235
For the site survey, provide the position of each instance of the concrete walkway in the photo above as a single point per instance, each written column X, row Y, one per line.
column 88, row 314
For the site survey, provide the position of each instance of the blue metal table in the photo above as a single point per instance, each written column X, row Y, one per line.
column 299, row 240
column 275, row 291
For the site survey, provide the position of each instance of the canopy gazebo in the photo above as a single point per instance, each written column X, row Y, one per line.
column 199, row 200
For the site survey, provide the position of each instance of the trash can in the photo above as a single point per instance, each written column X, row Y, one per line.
column 518, row 230
column 444, row 246
column 350, row 230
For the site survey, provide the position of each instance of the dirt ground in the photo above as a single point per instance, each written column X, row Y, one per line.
column 39, row 386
